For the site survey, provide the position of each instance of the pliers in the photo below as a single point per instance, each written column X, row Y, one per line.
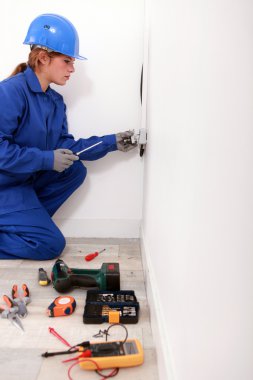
column 11, row 312
column 21, row 302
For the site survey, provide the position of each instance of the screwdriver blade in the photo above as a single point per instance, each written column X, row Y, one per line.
column 16, row 322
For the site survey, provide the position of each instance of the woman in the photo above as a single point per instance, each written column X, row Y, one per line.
column 39, row 169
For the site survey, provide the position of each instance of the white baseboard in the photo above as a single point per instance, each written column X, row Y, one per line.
column 99, row 228
column 158, row 324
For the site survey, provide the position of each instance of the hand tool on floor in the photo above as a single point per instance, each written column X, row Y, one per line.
column 92, row 255
column 10, row 312
column 21, row 302
column 112, row 354
column 43, row 278
column 61, row 306
column 89, row 147
column 111, row 306
column 65, row 278
column 104, row 355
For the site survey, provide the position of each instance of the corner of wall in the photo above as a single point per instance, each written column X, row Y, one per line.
column 157, row 318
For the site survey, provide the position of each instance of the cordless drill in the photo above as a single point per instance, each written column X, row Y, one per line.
column 105, row 278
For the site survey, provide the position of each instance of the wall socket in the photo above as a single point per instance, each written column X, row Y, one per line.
column 140, row 137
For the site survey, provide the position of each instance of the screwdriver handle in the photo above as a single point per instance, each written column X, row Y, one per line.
column 26, row 292
column 8, row 301
column 14, row 291
column 91, row 256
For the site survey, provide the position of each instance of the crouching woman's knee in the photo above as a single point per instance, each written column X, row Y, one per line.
column 53, row 245
column 79, row 172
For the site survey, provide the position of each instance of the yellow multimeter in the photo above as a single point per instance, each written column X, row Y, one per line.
column 115, row 354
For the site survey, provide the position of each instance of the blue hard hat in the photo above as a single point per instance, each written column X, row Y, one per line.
column 54, row 32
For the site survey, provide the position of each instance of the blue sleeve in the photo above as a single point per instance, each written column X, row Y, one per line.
column 107, row 145
column 13, row 158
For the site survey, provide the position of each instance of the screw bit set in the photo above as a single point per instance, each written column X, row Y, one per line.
column 111, row 306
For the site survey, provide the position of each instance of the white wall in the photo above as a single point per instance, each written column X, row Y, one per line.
column 198, row 206
column 102, row 97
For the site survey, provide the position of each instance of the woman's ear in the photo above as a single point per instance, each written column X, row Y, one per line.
column 43, row 57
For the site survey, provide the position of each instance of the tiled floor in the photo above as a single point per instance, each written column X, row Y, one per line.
column 20, row 353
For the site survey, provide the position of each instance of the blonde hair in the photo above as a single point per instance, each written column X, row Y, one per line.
column 33, row 60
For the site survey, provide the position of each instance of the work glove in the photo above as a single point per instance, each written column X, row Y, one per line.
column 63, row 159
column 124, row 141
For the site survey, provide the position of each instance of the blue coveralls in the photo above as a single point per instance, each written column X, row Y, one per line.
column 33, row 124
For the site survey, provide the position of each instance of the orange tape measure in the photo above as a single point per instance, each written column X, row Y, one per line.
column 61, row 306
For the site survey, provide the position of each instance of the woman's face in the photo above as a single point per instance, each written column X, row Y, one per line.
column 59, row 69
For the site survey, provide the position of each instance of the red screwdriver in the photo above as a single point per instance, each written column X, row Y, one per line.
column 92, row 256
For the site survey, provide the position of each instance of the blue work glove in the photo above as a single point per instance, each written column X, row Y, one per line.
column 63, row 159
column 125, row 142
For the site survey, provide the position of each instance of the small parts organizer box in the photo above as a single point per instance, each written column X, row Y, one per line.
column 113, row 307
